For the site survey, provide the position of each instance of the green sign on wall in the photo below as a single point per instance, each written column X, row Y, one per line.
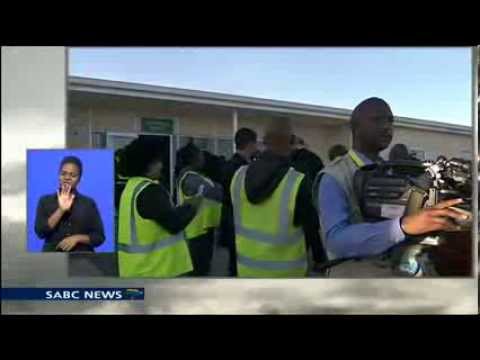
column 159, row 126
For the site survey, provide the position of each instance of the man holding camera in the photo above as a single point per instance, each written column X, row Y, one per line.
column 345, row 232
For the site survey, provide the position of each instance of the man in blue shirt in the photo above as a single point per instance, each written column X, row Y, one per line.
column 345, row 233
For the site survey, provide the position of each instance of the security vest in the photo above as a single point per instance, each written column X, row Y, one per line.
column 343, row 170
column 208, row 215
column 145, row 248
column 268, row 243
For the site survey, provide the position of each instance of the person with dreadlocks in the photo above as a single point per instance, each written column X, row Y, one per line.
column 151, row 241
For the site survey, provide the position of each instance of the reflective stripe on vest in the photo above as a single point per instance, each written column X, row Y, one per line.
column 135, row 246
column 284, row 239
column 279, row 239
column 271, row 265
column 356, row 159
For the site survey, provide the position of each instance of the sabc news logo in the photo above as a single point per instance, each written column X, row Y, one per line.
column 73, row 294
column 134, row 294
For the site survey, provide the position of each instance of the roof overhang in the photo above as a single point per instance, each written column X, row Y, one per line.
column 118, row 88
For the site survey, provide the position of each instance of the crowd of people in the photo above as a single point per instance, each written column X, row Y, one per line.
column 277, row 208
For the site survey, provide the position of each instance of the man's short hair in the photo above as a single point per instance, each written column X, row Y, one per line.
column 245, row 136
column 296, row 140
column 187, row 154
column 399, row 152
column 355, row 117
column 279, row 125
column 72, row 160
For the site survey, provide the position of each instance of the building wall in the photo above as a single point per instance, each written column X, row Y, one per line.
column 193, row 120
column 433, row 143
column 318, row 137
column 117, row 116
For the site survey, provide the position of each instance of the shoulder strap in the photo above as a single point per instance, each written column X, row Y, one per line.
column 316, row 189
column 356, row 159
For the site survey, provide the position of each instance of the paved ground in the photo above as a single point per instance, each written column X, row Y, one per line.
column 220, row 264
column 105, row 264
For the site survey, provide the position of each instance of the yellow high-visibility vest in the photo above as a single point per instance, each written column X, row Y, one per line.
column 145, row 248
column 268, row 243
column 208, row 215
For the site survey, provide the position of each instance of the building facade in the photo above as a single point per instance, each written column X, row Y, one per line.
column 105, row 113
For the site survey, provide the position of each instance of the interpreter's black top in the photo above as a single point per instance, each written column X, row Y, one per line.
column 82, row 218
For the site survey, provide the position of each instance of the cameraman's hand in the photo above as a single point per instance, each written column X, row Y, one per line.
column 438, row 218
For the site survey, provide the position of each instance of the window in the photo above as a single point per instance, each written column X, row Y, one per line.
column 431, row 155
column 99, row 139
column 117, row 141
column 225, row 147
column 418, row 153
column 203, row 143
column 218, row 146
column 466, row 154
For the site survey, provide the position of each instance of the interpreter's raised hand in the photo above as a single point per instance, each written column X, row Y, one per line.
column 65, row 198
column 439, row 218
